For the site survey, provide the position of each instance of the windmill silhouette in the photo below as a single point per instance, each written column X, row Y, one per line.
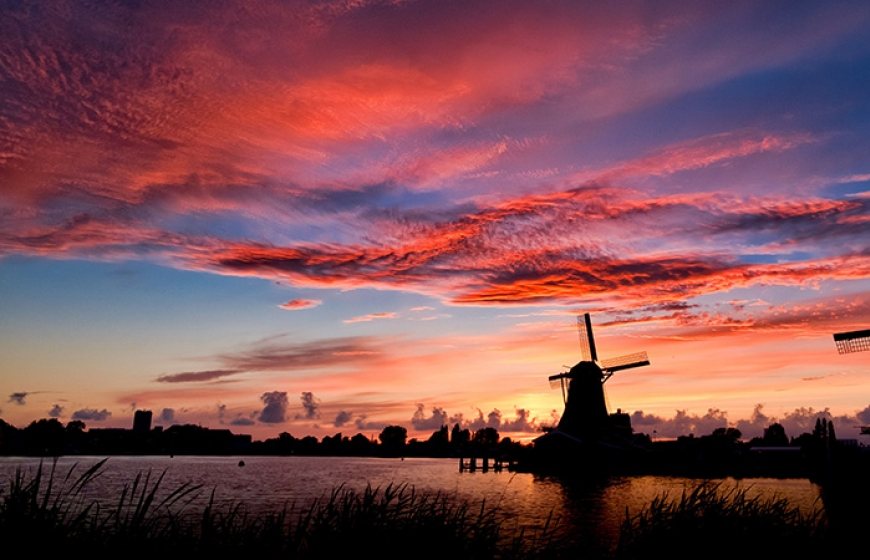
column 854, row 341
column 582, row 386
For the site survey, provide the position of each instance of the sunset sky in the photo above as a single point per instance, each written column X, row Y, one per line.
column 316, row 217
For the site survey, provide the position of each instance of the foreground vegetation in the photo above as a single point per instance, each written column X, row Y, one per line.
column 49, row 513
column 714, row 523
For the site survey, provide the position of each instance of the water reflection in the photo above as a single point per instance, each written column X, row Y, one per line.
column 588, row 512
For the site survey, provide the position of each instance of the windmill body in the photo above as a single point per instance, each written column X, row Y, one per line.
column 585, row 413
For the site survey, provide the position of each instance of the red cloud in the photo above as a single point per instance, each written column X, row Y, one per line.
column 561, row 246
column 658, row 280
column 220, row 153
column 555, row 247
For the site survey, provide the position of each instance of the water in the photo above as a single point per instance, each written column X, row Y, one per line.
column 588, row 512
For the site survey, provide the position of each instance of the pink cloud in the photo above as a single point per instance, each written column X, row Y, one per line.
column 320, row 158
column 296, row 304
column 204, row 112
column 704, row 152
column 523, row 250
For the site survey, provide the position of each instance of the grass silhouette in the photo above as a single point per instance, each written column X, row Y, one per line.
column 711, row 522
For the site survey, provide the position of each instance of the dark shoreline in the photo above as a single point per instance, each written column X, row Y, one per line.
column 818, row 457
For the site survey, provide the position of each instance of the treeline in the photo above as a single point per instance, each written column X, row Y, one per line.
column 393, row 441
column 723, row 453
column 49, row 437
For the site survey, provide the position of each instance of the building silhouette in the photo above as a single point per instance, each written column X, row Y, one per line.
column 142, row 421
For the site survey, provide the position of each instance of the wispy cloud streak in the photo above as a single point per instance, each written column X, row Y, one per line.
column 372, row 317
column 189, row 376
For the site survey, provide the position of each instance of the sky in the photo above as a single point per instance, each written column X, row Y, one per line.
column 321, row 217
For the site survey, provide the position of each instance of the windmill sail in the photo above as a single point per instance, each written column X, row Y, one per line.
column 628, row 361
column 852, row 341
column 587, row 339
column 558, row 379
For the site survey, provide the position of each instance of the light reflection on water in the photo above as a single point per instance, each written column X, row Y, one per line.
column 524, row 501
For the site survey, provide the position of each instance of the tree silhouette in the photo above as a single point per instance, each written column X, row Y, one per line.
column 819, row 429
column 359, row 445
column 459, row 437
column 45, row 436
column 486, row 437
column 393, row 438
column 732, row 434
column 438, row 442
column 774, row 435
column 75, row 426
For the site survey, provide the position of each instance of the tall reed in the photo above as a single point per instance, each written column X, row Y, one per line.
column 708, row 521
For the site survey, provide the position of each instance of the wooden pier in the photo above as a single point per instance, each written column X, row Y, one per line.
column 485, row 464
